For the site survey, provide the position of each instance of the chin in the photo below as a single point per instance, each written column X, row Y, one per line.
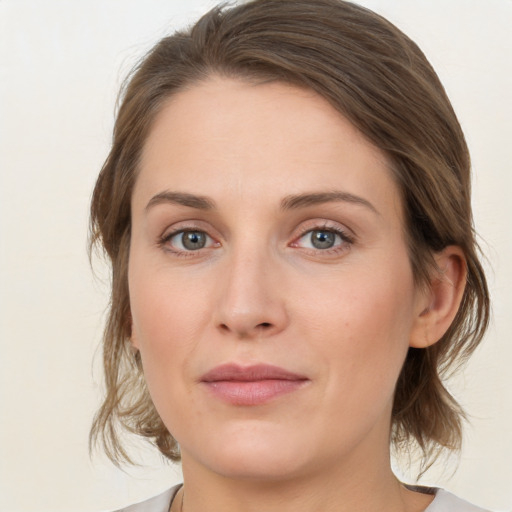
column 250, row 454
column 259, row 465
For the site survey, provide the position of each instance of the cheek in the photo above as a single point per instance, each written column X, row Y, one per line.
column 167, row 315
column 164, row 328
column 360, row 324
column 166, row 310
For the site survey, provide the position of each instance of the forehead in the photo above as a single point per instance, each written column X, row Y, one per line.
column 229, row 111
column 228, row 136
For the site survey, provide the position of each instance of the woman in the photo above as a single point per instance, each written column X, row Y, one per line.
column 286, row 207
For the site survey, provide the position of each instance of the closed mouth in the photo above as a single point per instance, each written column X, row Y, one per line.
column 251, row 385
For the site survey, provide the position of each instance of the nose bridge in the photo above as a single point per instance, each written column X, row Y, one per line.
column 251, row 303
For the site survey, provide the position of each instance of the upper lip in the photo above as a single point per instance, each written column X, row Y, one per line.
column 236, row 372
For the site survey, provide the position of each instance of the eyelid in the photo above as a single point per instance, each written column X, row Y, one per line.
column 326, row 225
column 188, row 224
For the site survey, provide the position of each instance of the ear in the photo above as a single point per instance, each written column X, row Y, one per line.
column 133, row 338
column 440, row 302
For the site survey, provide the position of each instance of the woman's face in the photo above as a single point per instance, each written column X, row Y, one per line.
column 271, row 292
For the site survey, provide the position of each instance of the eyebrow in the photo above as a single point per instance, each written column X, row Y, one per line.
column 183, row 199
column 292, row 202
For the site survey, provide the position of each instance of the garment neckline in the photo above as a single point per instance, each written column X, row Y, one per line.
column 431, row 491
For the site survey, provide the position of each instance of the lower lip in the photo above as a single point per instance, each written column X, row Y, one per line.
column 253, row 392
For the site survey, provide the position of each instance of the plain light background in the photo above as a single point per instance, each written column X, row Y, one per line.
column 61, row 64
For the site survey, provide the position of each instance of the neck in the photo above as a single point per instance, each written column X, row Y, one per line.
column 337, row 489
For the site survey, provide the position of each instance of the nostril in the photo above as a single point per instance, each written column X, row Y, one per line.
column 246, row 331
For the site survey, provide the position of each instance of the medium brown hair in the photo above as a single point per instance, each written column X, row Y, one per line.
column 378, row 79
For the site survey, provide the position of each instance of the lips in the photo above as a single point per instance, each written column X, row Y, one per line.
column 251, row 385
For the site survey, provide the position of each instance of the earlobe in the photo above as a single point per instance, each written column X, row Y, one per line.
column 442, row 299
column 133, row 338
column 134, row 344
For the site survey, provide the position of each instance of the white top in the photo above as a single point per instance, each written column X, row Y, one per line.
column 443, row 502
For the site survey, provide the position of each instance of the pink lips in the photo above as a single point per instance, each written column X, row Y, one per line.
column 251, row 385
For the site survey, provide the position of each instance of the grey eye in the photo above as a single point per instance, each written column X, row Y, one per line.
column 193, row 240
column 322, row 239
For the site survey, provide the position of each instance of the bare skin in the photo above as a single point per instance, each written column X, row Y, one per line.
column 410, row 501
column 267, row 231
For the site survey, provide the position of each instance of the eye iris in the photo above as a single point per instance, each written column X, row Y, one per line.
column 322, row 239
column 193, row 240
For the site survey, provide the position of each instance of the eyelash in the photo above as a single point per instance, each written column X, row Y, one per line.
column 163, row 241
column 346, row 239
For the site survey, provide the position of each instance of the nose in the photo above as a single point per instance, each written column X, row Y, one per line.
column 251, row 303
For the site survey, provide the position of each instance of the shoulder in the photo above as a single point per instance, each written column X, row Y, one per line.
column 448, row 502
column 159, row 503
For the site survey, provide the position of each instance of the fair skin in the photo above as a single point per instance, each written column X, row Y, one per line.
column 267, row 231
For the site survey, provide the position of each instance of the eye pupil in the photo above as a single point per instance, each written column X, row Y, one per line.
column 323, row 239
column 193, row 240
